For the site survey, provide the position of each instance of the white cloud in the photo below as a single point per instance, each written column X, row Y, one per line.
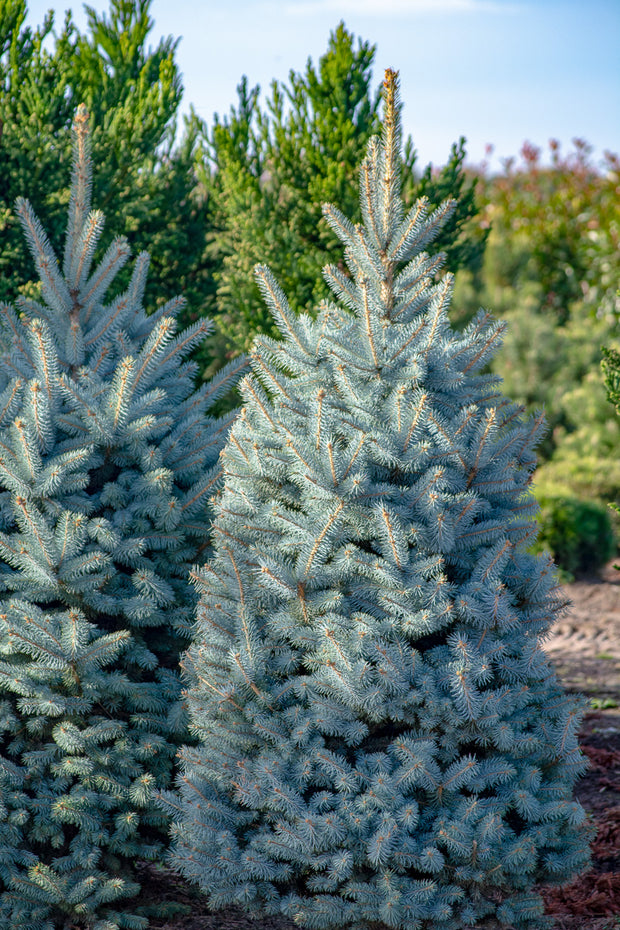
column 396, row 7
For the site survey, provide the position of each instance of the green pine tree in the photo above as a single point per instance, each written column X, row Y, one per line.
column 107, row 461
column 145, row 182
column 273, row 167
column 383, row 742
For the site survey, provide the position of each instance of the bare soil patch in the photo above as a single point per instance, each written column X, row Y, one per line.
column 585, row 643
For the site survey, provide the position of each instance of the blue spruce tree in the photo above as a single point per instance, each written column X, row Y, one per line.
column 382, row 741
column 107, row 462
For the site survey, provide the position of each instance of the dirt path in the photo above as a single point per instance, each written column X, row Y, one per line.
column 585, row 644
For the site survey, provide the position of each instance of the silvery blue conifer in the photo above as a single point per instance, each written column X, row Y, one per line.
column 383, row 742
column 107, row 462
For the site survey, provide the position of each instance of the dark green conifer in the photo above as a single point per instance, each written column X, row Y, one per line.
column 131, row 83
column 383, row 742
column 273, row 166
column 107, row 461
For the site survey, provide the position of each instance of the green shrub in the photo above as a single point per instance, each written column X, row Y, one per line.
column 577, row 533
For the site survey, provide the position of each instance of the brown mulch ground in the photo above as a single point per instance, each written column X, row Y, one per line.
column 585, row 648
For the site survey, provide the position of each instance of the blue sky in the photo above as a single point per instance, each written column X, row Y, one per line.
column 495, row 71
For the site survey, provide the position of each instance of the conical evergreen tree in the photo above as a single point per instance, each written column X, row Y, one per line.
column 107, row 462
column 383, row 742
